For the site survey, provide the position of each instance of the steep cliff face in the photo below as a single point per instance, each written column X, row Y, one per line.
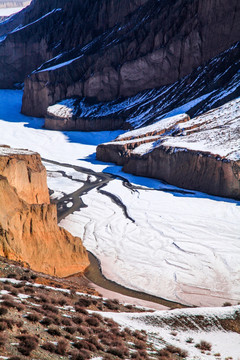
column 29, row 230
column 200, row 154
column 25, row 172
column 124, row 47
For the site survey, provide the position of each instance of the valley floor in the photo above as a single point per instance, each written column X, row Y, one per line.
column 152, row 237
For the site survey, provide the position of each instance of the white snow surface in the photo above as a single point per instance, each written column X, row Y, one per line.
column 9, row 11
column 64, row 109
column 184, row 247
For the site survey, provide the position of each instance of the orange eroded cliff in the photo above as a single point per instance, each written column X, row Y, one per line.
column 28, row 228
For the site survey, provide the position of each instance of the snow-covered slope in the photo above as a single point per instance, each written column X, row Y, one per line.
column 201, row 154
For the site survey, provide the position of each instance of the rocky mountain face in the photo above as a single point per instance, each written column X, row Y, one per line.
column 125, row 47
column 201, row 154
column 206, row 87
column 28, row 222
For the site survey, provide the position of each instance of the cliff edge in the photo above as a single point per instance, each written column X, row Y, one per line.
column 201, row 154
column 28, row 222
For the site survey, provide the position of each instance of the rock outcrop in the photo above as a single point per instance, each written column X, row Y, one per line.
column 200, row 154
column 124, row 47
column 28, row 222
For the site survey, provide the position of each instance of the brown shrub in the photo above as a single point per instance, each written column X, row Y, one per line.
column 83, row 302
column 29, row 289
column 54, row 331
column 70, row 329
column 176, row 350
column 83, row 330
column 9, row 322
column 119, row 351
column 3, row 326
column 81, row 355
column 92, row 321
column 227, row 303
column 33, row 317
column 12, row 276
column 3, row 339
column 62, row 302
column 51, row 308
column 111, row 304
column 94, row 340
column 204, row 345
column 66, row 321
column 27, row 344
column 139, row 344
column 140, row 335
column 81, row 310
column 48, row 346
column 47, row 321
column 62, row 347
column 83, row 344
column 78, row 319
column 3, row 311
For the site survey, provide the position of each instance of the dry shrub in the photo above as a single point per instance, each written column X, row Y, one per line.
column 204, row 345
column 48, row 346
column 78, row 319
column 176, row 350
column 227, row 303
column 29, row 289
column 3, row 311
column 3, row 326
column 3, row 339
column 83, row 302
column 62, row 302
column 70, row 329
column 139, row 344
column 111, row 323
column 66, row 321
column 9, row 322
column 83, row 330
column 27, row 344
column 62, row 347
column 140, row 335
column 81, row 355
column 12, row 276
column 81, row 310
column 33, row 317
column 50, row 308
column 83, row 344
column 92, row 321
column 94, row 340
column 46, row 321
column 121, row 352
column 54, row 331
column 14, row 292
column 112, row 304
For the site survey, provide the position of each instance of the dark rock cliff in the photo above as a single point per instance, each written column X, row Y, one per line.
column 124, row 47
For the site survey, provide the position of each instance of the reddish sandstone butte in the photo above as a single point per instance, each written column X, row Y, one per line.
column 28, row 222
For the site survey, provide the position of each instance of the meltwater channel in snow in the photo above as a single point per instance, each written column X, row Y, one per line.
column 183, row 246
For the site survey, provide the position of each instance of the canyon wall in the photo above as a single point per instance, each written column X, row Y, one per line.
column 201, row 154
column 124, row 46
column 28, row 222
column 155, row 45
